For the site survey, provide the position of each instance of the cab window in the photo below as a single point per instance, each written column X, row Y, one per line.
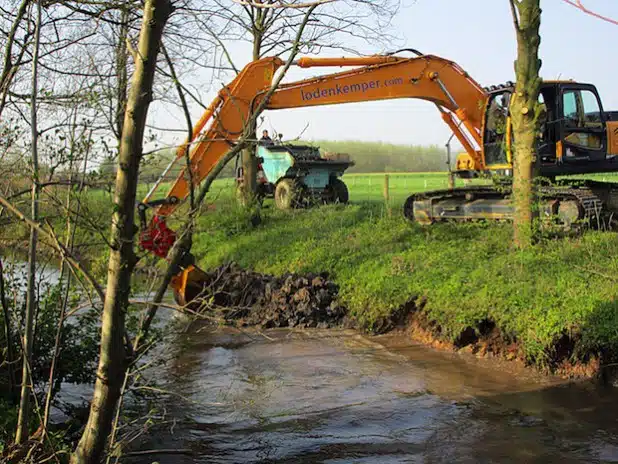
column 583, row 120
column 542, row 117
column 592, row 111
column 581, row 109
column 497, row 114
column 569, row 103
column 495, row 129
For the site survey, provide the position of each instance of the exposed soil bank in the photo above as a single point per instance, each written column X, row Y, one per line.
column 246, row 298
column 488, row 341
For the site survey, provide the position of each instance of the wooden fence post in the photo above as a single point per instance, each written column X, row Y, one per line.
column 387, row 195
column 451, row 180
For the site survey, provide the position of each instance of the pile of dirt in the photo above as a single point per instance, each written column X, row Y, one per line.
column 246, row 298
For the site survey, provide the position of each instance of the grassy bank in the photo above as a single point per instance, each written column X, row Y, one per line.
column 469, row 274
column 561, row 293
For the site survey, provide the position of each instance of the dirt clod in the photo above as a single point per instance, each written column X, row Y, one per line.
column 247, row 298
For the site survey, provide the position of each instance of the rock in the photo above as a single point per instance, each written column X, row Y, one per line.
column 302, row 296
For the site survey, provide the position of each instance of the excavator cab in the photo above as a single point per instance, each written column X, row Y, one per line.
column 576, row 135
column 583, row 125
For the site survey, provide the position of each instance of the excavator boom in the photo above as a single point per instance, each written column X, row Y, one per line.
column 428, row 77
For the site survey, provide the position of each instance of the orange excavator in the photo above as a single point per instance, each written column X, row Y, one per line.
column 577, row 137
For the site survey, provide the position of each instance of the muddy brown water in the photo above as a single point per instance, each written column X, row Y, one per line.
column 338, row 397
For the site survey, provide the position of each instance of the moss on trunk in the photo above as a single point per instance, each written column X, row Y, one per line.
column 525, row 112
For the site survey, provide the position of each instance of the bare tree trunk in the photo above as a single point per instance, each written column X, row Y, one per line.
column 525, row 112
column 249, row 171
column 113, row 362
column 24, row 404
column 249, row 160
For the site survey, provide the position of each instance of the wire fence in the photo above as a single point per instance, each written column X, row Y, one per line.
column 392, row 187
column 384, row 188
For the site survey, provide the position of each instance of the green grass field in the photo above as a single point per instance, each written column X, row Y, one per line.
column 363, row 188
column 468, row 273
column 369, row 188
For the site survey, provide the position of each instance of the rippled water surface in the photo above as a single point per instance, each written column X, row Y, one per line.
column 335, row 397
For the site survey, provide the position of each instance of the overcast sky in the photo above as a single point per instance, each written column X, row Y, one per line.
column 479, row 36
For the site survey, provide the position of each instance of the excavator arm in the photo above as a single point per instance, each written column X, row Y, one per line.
column 460, row 100
column 214, row 134
column 429, row 78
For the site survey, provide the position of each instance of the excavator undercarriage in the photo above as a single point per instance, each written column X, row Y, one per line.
column 567, row 204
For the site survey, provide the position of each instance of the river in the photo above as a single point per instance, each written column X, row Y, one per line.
column 339, row 397
column 336, row 396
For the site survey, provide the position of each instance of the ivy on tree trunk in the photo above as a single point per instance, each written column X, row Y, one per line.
column 248, row 156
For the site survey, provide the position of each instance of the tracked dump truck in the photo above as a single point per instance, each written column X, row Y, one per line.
column 298, row 175
column 578, row 137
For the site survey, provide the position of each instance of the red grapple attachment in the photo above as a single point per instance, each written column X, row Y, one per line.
column 158, row 238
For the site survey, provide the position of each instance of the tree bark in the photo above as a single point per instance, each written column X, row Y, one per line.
column 249, row 160
column 26, row 383
column 112, row 361
column 249, row 171
column 525, row 112
column 121, row 70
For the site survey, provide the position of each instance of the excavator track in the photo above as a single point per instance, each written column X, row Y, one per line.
column 579, row 202
column 589, row 206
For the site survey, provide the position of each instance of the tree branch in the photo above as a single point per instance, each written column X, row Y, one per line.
column 282, row 4
column 185, row 109
column 580, row 6
column 514, row 14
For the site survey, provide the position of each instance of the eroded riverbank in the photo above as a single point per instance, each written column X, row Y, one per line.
column 336, row 396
